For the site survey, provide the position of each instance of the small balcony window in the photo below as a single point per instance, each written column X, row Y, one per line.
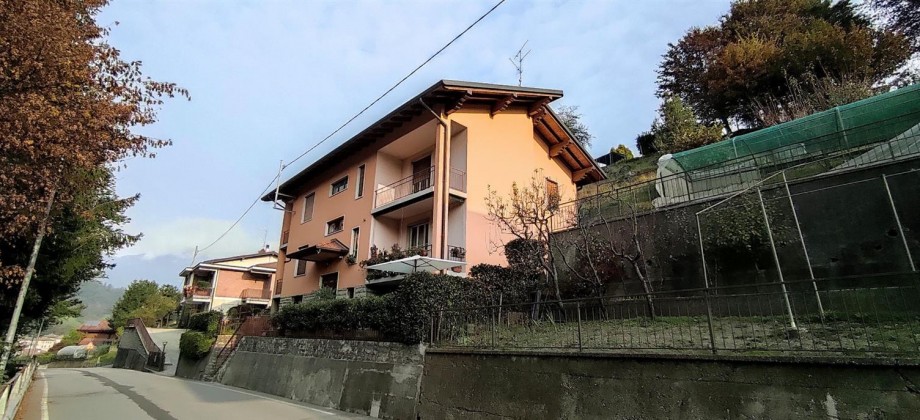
column 335, row 225
column 339, row 186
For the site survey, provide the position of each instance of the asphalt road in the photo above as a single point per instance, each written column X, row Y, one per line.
column 170, row 336
column 119, row 394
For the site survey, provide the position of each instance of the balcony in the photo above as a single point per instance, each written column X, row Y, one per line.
column 197, row 294
column 256, row 296
column 416, row 188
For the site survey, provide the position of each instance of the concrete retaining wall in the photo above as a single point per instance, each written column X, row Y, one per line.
column 469, row 385
column 372, row 378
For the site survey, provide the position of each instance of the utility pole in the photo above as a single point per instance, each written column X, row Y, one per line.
column 24, row 287
column 518, row 62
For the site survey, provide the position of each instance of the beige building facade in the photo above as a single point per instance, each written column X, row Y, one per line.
column 418, row 179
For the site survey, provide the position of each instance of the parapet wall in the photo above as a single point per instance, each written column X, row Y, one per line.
column 483, row 385
column 371, row 378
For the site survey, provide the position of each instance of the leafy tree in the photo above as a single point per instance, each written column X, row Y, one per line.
column 645, row 142
column 572, row 119
column 760, row 45
column 84, row 233
column 677, row 128
column 623, row 150
column 68, row 104
column 146, row 300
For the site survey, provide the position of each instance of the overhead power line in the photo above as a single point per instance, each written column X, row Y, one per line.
column 349, row 121
column 387, row 92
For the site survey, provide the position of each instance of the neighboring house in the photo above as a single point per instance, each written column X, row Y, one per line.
column 418, row 178
column 42, row 344
column 242, row 282
column 96, row 333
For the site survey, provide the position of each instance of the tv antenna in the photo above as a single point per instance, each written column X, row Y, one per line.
column 518, row 62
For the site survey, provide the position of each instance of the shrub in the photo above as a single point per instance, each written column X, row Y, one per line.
column 206, row 322
column 195, row 344
column 336, row 315
column 324, row 293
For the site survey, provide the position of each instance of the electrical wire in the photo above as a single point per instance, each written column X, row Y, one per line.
column 349, row 121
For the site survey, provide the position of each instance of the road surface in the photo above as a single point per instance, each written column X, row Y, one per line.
column 170, row 336
column 119, row 394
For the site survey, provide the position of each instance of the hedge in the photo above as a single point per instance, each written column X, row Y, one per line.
column 195, row 344
column 402, row 316
column 206, row 322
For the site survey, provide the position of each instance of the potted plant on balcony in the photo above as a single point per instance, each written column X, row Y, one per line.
column 351, row 260
column 458, row 253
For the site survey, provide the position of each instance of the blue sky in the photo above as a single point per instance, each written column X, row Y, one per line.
column 268, row 79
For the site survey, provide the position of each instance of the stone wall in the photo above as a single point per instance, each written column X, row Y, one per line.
column 471, row 385
column 371, row 378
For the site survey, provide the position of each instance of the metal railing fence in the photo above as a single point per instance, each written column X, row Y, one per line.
column 861, row 316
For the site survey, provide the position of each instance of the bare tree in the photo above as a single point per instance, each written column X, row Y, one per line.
column 528, row 214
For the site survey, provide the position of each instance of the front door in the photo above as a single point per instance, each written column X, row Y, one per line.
column 421, row 174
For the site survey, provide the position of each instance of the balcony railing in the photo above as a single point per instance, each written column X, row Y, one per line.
column 197, row 292
column 457, row 180
column 417, row 182
column 456, row 253
column 263, row 294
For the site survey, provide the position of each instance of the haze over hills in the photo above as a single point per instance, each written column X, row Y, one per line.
column 98, row 297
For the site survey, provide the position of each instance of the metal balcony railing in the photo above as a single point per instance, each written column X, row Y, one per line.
column 417, row 182
column 195, row 291
column 456, row 253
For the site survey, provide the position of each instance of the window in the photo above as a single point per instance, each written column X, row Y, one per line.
column 335, row 226
column 552, row 194
column 329, row 281
column 418, row 235
column 307, row 214
column 359, row 189
column 339, row 186
column 300, row 268
column 297, row 299
column 351, row 292
column 353, row 250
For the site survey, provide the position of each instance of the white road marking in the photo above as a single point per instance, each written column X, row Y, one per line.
column 262, row 397
column 44, row 397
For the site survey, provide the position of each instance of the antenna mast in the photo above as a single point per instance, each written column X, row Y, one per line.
column 518, row 62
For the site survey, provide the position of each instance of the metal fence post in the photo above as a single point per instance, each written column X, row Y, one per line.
column 712, row 335
column 779, row 268
column 798, row 228
column 492, row 324
column 897, row 219
column 578, row 312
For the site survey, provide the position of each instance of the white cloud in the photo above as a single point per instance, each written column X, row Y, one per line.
column 179, row 237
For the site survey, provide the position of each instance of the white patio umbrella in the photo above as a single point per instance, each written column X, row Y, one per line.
column 416, row 263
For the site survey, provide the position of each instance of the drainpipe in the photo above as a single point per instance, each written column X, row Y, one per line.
column 442, row 180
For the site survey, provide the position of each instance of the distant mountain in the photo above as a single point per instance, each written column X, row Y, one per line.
column 99, row 299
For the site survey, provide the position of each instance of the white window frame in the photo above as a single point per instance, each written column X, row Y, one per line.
column 328, row 224
column 413, row 233
column 355, row 239
column 336, row 273
column 297, row 265
column 359, row 186
column 332, row 190
column 304, row 217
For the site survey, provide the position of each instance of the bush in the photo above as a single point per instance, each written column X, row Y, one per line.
column 402, row 316
column 195, row 344
column 206, row 322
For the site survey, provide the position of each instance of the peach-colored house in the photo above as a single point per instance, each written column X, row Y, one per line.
column 224, row 283
column 418, row 178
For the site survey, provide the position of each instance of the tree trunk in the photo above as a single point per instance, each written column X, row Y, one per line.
column 24, row 287
column 646, row 287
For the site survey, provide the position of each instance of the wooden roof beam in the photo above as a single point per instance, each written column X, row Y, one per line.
column 581, row 174
column 537, row 107
column 556, row 149
column 502, row 104
column 459, row 102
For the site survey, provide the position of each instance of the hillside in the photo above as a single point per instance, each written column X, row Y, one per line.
column 98, row 298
